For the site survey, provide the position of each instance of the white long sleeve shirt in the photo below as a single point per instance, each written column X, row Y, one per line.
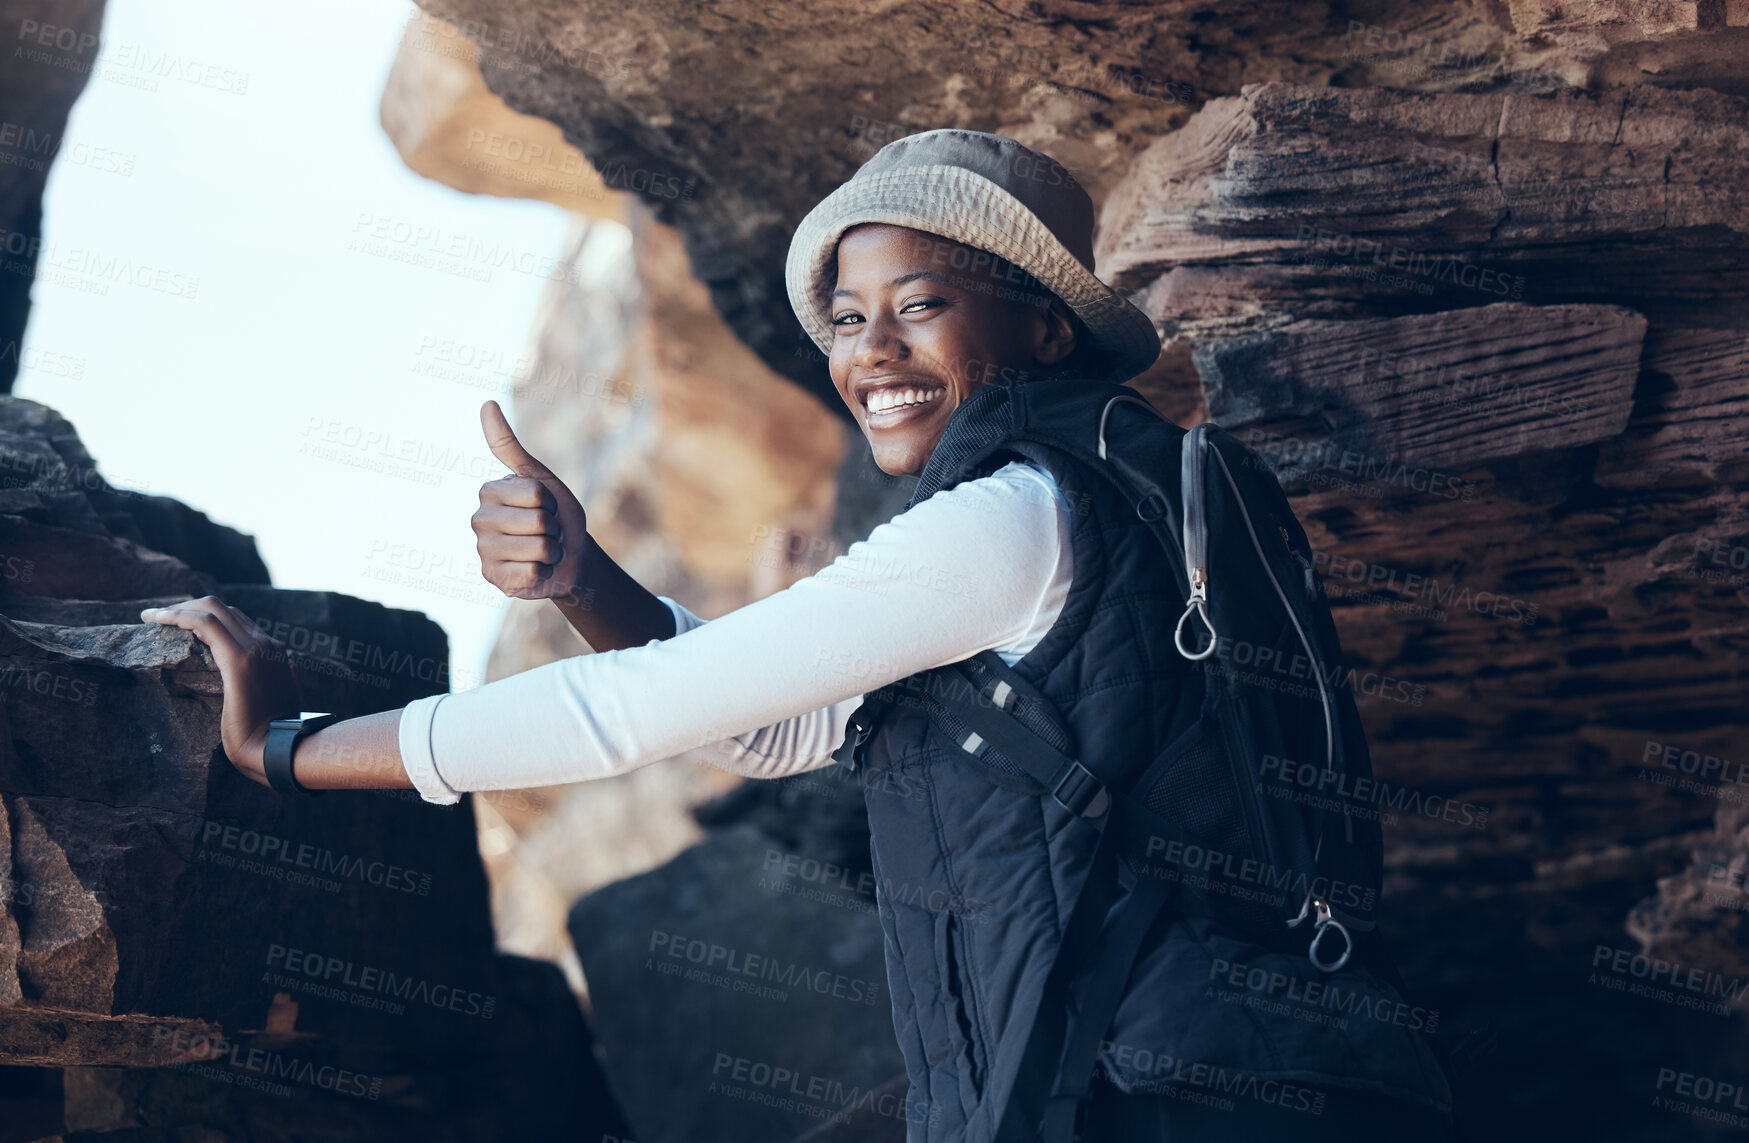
column 766, row 690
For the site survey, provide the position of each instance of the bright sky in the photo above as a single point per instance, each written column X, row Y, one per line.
column 253, row 362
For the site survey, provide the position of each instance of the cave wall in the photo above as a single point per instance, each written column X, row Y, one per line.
column 1470, row 280
column 183, row 950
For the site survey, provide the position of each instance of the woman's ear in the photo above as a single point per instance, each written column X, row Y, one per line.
column 1055, row 339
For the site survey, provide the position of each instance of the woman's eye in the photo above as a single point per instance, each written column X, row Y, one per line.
column 846, row 319
column 915, row 302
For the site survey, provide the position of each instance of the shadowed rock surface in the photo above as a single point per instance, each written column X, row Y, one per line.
column 153, row 900
column 741, row 995
column 732, row 121
column 1474, row 278
column 1472, row 282
column 51, row 47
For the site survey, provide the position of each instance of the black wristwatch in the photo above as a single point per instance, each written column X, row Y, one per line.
column 282, row 735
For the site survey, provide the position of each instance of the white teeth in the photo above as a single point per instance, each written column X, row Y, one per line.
column 882, row 400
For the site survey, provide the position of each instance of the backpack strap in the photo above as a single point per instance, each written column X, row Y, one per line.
column 1113, row 912
column 1079, row 1000
column 1096, row 1003
column 858, row 728
column 992, row 711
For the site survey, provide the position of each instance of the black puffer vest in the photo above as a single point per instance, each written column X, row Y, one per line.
column 977, row 870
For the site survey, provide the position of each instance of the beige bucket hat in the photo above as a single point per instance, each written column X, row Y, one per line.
column 991, row 193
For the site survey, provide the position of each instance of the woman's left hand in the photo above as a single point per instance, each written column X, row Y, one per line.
column 254, row 668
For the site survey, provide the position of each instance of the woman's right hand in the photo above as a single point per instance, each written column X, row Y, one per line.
column 532, row 531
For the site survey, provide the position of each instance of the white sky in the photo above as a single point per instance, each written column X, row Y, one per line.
column 247, row 190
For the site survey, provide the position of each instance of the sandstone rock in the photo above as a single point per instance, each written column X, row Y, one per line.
column 448, row 127
column 777, row 108
column 47, row 478
column 1699, row 917
column 1291, row 201
column 1445, row 392
column 1690, row 420
column 709, row 478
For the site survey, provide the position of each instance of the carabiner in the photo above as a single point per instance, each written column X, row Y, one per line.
column 1322, row 925
column 1198, row 603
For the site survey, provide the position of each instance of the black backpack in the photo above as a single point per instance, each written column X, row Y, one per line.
column 1306, row 871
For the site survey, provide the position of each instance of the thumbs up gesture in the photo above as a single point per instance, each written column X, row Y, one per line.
column 533, row 533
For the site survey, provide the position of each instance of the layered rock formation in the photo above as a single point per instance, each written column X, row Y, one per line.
column 761, row 112
column 1472, row 282
column 180, row 946
column 1518, row 506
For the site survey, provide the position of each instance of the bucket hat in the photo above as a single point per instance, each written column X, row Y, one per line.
column 991, row 193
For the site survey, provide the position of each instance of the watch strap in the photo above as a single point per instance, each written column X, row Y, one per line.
column 283, row 734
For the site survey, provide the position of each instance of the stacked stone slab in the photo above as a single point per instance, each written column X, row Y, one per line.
column 172, row 935
column 1495, row 346
column 1472, row 280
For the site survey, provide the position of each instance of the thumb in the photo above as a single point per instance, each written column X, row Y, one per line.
column 504, row 445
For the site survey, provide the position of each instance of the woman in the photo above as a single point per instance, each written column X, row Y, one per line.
column 953, row 264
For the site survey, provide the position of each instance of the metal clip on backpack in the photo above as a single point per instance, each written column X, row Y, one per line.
column 1196, row 459
column 991, row 707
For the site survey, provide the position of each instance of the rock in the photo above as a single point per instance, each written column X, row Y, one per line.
column 1699, row 917
column 735, row 980
column 276, row 1086
column 1691, row 416
column 778, row 108
column 1446, row 391
column 155, row 903
column 1291, row 201
column 51, row 52
column 448, row 127
column 47, row 478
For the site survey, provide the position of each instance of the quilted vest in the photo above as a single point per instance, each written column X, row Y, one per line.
column 977, row 870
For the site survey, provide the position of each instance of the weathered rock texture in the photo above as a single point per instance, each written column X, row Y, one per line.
column 153, row 900
column 1317, row 202
column 768, row 109
column 709, row 478
column 1473, row 280
column 1526, row 489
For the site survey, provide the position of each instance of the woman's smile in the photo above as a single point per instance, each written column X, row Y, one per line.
column 912, row 338
column 891, row 402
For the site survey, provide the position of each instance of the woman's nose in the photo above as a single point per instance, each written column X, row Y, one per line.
column 881, row 341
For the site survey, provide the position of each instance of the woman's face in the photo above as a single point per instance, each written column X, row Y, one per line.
column 919, row 323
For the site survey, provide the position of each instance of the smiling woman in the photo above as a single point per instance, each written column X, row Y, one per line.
column 910, row 343
column 948, row 284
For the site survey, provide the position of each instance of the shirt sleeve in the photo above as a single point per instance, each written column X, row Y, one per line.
column 797, row 744
column 965, row 571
